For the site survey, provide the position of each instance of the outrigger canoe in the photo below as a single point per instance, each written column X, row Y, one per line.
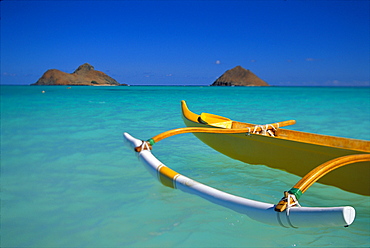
column 293, row 151
column 219, row 132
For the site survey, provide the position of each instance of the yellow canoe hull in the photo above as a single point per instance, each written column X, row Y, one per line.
column 293, row 151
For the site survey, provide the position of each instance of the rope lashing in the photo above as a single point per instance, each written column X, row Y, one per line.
column 314, row 175
column 272, row 133
column 249, row 132
column 255, row 129
column 144, row 146
column 267, row 129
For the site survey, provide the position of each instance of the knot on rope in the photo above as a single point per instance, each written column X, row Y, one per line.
column 249, row 132
column 289, row 200
column 267, row 130
column 144, row 146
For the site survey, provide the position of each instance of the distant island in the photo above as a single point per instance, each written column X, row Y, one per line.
column 238, row 76
column 84, row 75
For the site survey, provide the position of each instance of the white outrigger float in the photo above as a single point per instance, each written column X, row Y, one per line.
column 293, row 216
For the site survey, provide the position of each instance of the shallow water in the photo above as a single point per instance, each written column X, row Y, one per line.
column 68, row 180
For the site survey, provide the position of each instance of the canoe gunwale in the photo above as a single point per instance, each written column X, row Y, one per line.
column 361, row 146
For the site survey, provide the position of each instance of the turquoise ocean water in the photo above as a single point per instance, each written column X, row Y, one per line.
column 68, row 180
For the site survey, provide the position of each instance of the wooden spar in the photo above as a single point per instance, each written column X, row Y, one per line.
column 327, row 167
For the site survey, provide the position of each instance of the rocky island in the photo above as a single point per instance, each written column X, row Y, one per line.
column 84, row 75
column 238, row 76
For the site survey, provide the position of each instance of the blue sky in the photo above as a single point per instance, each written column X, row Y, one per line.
column 189, row 42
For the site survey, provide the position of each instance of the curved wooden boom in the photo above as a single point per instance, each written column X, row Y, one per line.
column 314, row 175
column 327, row 167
